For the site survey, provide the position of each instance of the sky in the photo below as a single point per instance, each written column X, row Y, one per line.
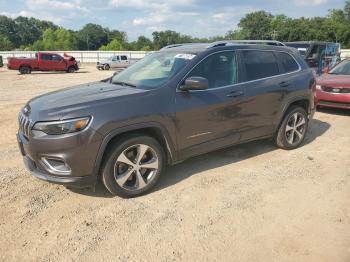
column 203, row 18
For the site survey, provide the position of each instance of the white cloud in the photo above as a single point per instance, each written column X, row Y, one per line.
column 140, row 4
column 55, row 5
column 310, row 2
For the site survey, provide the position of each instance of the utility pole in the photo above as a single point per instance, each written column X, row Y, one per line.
column 87, row 41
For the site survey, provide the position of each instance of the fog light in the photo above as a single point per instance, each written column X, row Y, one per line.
column 56, row 166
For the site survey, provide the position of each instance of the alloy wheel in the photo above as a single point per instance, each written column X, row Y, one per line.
column 295, row 128
column 135, row 167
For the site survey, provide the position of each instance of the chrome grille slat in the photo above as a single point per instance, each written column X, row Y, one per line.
column 24, row 124
column 342, row 90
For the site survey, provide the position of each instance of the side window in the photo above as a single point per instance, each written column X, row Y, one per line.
column 115, row 58
column 56, row 58
column 124, row 58
column 220, row 69
column 45, row 57
column 259, row 64
column 287, row 61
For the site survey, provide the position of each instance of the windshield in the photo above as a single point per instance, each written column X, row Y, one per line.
column 153, row 70
column 342, row 68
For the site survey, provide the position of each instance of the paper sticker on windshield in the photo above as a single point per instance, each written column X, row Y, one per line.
column 185, row 56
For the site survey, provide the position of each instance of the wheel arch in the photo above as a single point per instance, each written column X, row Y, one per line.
column 25, row 65
column 303, row 102
column 154, row 130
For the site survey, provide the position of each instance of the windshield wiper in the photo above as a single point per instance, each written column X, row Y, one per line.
column 123, row 84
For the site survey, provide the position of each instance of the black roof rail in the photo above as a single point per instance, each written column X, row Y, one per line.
column 250, row 42
column 171, row 46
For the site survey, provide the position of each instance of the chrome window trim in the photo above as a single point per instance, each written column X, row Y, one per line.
column 244, row 82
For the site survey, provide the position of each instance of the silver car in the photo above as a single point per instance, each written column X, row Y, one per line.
column 116, row 61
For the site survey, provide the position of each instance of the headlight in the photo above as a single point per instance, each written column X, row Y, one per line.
column 62, row 127
column 318, row 87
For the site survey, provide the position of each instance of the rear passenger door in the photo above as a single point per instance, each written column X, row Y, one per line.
column 264, row 90
column 46, row 63
column 124, row 60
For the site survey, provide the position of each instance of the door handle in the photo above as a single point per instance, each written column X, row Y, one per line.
column 284, row 84
column 235, row 94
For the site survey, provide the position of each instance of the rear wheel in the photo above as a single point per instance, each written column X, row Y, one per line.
column 293, row 128
column 25, row 70
column 106, row 67
column 133, row 167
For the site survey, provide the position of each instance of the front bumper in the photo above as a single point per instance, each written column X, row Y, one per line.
column 79, row 151
column 335, row 100
column 100, row 66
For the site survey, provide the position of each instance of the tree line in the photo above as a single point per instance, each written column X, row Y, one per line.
column 24, row 33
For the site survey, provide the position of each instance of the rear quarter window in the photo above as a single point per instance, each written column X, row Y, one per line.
column 259, row 64
column 287, row 62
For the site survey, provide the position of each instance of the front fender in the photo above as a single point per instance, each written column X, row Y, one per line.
column 170, row 143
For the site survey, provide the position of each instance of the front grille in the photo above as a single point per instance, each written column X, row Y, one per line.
column 336, row 90
column 24, row 124
column 331, row 103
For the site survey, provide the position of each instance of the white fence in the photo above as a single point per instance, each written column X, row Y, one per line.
column 82, row 56
column 345, row 53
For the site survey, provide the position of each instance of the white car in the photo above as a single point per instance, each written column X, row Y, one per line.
column 116, row 61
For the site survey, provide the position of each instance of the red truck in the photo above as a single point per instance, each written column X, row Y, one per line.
column 43, row 62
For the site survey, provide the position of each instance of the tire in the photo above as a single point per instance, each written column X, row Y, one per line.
column 293, row 129
column 124, row 171
column 71, row 69
column 25, row 70
column 106, row 67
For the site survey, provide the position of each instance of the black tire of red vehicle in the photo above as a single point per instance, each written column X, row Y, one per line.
column 296, row 129
column 110, row 166
column 71, row 69
column 106, row 67
column 25, row 70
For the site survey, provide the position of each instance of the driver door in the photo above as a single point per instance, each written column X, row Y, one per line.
column 209, row 119
column 59, row 63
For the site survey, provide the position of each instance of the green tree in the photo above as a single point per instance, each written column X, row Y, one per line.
column 92, row 37
column 114, row 45
column 256, row 25
column 5, row 44
column 60, row 39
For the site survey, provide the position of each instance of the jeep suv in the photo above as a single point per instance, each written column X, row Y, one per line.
column 183, row 101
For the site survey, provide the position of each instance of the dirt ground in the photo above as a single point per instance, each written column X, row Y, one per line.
column 251, row 202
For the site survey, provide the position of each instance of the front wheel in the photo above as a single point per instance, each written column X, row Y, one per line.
column 132, row 168
column 293, row 128
column 71, row 69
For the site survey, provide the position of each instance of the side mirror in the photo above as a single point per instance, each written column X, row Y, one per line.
column 195, row 83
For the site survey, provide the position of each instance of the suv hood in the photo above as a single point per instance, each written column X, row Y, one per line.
column 334, row 80
column 82, row 97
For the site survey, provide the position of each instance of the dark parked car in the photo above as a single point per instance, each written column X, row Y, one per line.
column 173, row 104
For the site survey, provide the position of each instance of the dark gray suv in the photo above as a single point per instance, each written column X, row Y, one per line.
column 183, row 101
